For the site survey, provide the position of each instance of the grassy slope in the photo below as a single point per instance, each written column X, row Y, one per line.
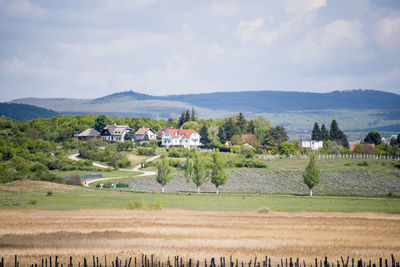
column 23, row 194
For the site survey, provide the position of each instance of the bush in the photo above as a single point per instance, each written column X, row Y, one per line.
column 146, row 151
column 136, row 205
column 49, row 193
column 364, row 163
column 347, row 164
column 156, row 206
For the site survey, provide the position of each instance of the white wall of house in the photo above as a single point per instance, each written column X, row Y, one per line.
column 168, row 140
column 314, row 145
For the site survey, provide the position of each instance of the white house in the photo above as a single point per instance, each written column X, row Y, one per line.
column 187, row 138
column 115, row 132
column 314, row 145
column 145, row 134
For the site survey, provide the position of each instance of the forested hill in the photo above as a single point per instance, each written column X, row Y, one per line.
column 25, row 112
column 279, row 101
column 273, row 101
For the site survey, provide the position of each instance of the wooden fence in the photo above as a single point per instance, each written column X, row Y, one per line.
column 146, row 261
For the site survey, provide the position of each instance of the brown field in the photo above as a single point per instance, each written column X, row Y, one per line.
column 33, row 234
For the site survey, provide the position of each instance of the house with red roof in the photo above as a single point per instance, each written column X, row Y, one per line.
column 187, row 138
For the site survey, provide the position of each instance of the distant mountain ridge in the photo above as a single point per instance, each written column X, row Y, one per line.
column 273, row 101
column 25, row 112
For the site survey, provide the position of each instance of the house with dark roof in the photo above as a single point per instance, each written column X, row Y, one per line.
column 115, row 132
column 87, row 134
column 145, row 134
column 187, row 138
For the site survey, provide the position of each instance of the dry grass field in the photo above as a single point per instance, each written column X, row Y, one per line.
column 33, row 234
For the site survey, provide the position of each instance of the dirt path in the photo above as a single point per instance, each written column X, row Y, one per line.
column 197, row 234
column 87, row 182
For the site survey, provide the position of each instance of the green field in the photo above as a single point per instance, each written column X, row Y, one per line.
column 27, row 195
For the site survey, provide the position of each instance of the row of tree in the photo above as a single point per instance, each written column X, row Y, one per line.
column 196, row 170
column 334, row 134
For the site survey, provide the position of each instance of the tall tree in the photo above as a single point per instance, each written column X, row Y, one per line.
column 337, row 135
column 316, row 133
column 164, row 172
column 218, row 175
column 204, row 135
column 373, row 137
column 193, row 117
column 200, row 172
column 221, row 135
column 241, row 122
column 181, row 119
column 324, row 133
column 101, row 122
column 188, row 169
column 312, row 175
column 276, row 136
column 187, row 116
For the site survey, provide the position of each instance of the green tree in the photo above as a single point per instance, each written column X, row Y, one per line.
column 187, row 116
column 241, row 122
column 312, row 174
column 218, row 175
column 373, row 137
column 193, row 117
column 101, row 122
column 276, row 136
column 316, row 133
column 324, row 133
column 286, row 148
column 237, row 139
column 192, row 125
column 200, row 172
column 164, row 171
column 204, row 135
column 221, row 135
column 188, row 169
column 337, row 135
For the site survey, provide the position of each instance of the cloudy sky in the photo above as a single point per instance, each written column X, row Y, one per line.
column 90, row 48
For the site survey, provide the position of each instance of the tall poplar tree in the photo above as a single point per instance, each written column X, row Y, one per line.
column 324, row 133
column 312, row 175
column 218, row 175
column 164, row 172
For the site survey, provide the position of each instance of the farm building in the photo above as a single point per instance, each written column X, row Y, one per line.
column 314, row 145
column 187, row 138
column 115, row 132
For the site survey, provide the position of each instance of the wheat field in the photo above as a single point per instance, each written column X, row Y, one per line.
column 33, row 234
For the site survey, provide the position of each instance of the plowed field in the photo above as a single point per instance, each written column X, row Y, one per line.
column 33, row 234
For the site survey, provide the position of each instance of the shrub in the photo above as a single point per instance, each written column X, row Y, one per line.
column 146, row 151
column 49, row 193
column 364, row 163
column 156, row 206
column 174, row 153
column 264, row 210
column 347, row 164
column 32, row 202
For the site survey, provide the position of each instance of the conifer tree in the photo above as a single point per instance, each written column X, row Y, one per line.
column 204, row 135
column 316, row 133
column 241, row 122
column 324, row 133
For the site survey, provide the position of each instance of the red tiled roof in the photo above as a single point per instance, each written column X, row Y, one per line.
column 185, row 133
column 162, row 130
column 247, row 137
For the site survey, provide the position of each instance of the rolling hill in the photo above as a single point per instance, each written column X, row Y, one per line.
column 25, row 112
column 357, row 111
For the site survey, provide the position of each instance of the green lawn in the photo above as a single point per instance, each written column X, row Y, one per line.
column 34, row 195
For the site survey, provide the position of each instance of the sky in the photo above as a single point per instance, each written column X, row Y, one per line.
column 91, row 48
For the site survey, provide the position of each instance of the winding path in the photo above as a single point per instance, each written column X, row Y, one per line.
column 136, row 169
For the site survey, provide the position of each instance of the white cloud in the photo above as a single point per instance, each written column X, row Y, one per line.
column 301, row 7
column 387, row 33
column 252, row 30
column 21, row 8
column 224, row 8
column 338, row 39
